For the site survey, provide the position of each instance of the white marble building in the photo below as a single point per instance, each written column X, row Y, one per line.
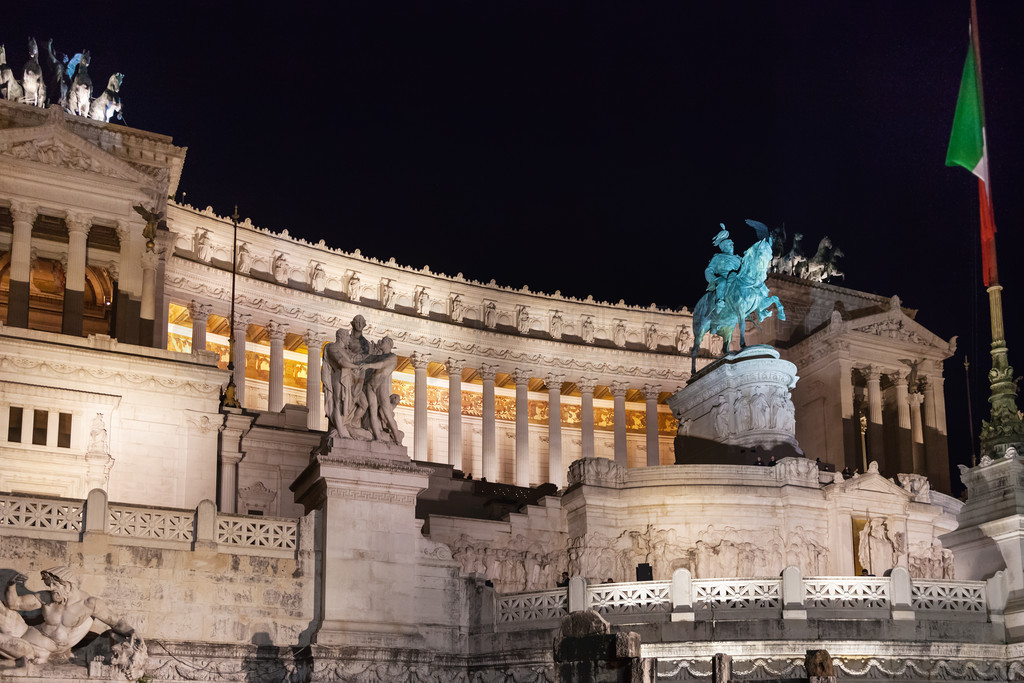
column 214, row 531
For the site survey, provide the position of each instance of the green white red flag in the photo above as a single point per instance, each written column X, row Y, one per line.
column 967, row 148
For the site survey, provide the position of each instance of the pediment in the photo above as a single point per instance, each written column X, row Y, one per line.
column 896, row 326
column 872, row 482
column 52, row 144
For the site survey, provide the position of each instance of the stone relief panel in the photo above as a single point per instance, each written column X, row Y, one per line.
column 513, row 563
column 733, row 552
column 930, row 561
column 880, row 547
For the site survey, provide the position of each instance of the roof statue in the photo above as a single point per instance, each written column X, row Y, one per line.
column 736, row 290
column 57, row 79
column 821, row 267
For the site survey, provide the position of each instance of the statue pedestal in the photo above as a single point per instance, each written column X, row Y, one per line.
column 736, row 409
column 363, row 494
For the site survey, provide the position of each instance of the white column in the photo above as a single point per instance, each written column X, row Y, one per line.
column 916, row 433
column 242, row 321
column 651, row 392
column 23, row 216
column 904, row 449
column 314, row 411
column 454, row 368
column 586, row 386
column 200, row 316
column 74, row 287
column 275, row 395
column 873, row 375
column 556, row 470
column 618, row 390
column 522, row 379
column 489, row 445
column 147, row 312
column 420, row 363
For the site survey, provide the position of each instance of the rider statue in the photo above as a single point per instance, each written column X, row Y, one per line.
column 721, row 265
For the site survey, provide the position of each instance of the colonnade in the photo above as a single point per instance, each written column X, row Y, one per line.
column 454, row 367
column 920, row 417
column 135, row 318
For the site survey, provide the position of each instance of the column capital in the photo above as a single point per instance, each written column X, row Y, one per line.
column 199, row 312
column 899, row 377
column 242, row 321
column 419, row 360
column 275, row 330
column 651, row 391
column 124, row 228
column 521, row 376
column 487, row 371
column 454, row 366
column 619, row 388
column 872, row 373
column 915, row 399
column 554, row 380
column 150, row 260
column 23, row 211
column 313, row 338
column 77, row 221
column 114, row 268
column 586, row 384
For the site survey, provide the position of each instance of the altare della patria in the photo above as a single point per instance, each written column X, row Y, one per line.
column 230, row 454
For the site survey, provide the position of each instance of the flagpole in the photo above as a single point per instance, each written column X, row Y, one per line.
column 1004, row 426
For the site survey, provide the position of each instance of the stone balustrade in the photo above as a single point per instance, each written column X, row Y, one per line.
column 203, row 527
column 788, row 597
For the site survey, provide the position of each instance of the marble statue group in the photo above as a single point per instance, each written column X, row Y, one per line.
column 356, row 375
column 67, row 615
column 61, row 80
column 736, row 289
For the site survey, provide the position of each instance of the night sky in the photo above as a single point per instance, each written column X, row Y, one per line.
column 589, row 147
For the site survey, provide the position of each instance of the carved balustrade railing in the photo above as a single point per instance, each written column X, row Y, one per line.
column 146, row 522
column 933, row 597
column 142, row 525
column 535, row 606
column 791, row 596
column 630, row 598
column 245, row 532
column 737, row 594
column 50, row 517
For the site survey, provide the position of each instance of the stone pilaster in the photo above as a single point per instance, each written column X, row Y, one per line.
column 275, row 394
column 618, row 390
column 586, row 386
column 556, row 468
column 521, row 377
column 420, row 363
column 74, row 288
column 653, row 442
column 454, row 368
column 489, row 451
column 23, row 215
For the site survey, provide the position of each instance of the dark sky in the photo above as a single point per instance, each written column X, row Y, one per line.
column 589, row 147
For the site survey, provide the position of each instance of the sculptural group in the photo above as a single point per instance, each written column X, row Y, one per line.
column 67, row 614
column 736, row 290
column 356, row 375
column 60, row 80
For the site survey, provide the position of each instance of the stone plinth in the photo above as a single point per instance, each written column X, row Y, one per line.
column 738, row 408
column 587, row 651
column 364, row 496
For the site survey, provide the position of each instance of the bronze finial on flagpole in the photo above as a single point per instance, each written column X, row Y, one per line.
column 230, row 393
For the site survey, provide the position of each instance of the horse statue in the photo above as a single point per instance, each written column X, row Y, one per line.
column 108, row 102
column 822, row 265
column 793, row 262
column 80, row 94
column 744, row 295
column 32, row 81
column 9, row 86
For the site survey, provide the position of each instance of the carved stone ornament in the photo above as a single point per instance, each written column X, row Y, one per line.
column 280, row 268
column 587, row 330
column 596, row 472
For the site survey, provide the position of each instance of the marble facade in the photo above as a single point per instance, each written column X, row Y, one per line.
column 240, row 555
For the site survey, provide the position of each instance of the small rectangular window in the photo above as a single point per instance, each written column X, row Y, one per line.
column 39, row 419
column 64, row 431
column 14, row 425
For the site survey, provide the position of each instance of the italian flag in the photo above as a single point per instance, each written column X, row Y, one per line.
column 967, row 148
